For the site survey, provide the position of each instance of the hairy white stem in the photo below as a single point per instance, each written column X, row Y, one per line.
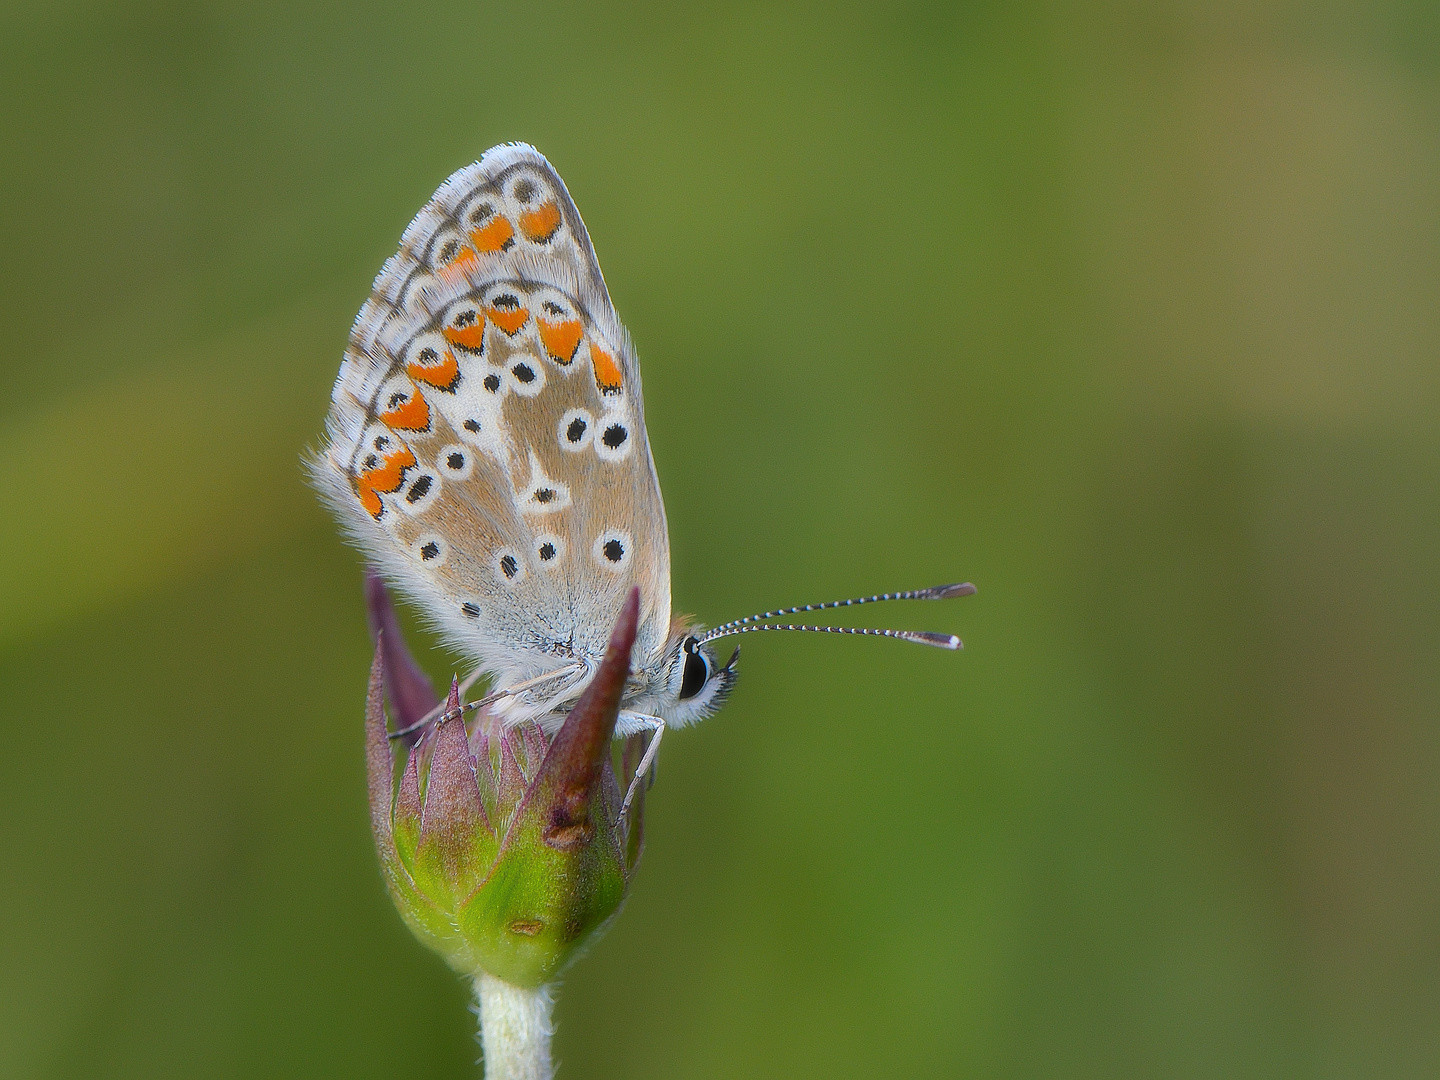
column 515, row 1029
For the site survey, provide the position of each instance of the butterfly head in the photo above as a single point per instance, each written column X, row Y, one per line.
column 695, row 683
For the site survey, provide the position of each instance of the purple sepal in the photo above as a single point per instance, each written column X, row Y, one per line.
column 569, row 777
column 410, row 690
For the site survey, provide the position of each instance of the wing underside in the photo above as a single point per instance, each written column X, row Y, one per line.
column 486, row 440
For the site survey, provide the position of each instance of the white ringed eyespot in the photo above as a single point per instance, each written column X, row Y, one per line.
column 612, row 549
column 509, row 566
column 575, row 430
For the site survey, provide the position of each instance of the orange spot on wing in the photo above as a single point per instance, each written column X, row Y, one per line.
column 463, row 262
column 508, row 319
column 467, row 337
column 443, row 374
column 607, row 371
column 560, row 339
column 495, row 235
column 411, row 415
column 540, row 224
column 384, row 478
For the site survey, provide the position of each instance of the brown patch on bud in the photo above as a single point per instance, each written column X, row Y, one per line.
column 568, row 836
column 570, row 826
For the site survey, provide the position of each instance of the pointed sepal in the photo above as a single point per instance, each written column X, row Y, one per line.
column 457, row 844
column 379, row 758
column 410, row 690
column 510, row 785
column 417, row 910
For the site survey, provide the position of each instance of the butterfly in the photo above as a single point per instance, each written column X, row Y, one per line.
column 486, row 449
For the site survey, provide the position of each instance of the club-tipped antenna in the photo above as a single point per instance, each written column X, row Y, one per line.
column 921, row 637
column 753, row 623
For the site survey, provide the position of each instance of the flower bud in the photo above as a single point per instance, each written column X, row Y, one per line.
column 498, row 845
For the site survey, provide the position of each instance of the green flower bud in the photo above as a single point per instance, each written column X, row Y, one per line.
column 499, row 846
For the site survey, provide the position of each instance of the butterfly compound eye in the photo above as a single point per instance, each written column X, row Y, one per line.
column 697, row 671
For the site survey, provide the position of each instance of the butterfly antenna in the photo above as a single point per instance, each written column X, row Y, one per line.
column 752, row 623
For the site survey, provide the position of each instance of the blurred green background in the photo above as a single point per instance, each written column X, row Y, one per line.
column 1125, row 311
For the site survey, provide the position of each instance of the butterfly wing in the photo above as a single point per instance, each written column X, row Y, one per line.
column 486, row 441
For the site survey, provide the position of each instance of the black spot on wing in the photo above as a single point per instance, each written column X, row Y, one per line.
column 419, row 489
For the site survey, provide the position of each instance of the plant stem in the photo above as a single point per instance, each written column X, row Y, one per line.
column 515, row 1029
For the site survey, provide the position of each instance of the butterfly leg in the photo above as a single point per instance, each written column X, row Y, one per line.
column 569, row 671
column 640, row 722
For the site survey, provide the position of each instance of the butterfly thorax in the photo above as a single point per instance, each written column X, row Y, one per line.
column 680, row 683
